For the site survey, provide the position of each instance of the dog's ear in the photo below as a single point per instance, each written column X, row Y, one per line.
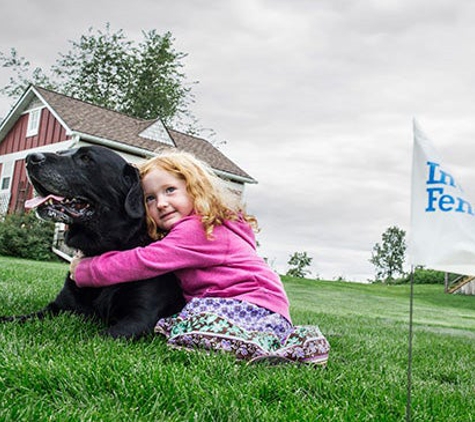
column 134, row 202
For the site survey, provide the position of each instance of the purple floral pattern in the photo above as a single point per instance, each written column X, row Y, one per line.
column 244, row 329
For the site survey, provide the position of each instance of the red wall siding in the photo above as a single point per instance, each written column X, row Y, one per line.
column 50, row 131
column 12, row 140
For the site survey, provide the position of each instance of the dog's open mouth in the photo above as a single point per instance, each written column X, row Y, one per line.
column 60, row 209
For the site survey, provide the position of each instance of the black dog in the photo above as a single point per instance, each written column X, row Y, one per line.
column 99, row 196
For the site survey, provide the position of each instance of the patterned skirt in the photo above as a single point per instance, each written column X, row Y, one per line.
column 246, row 330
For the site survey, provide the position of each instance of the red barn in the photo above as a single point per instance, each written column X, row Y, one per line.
column 43, row 120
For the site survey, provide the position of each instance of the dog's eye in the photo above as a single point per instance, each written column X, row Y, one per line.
column 85, row 158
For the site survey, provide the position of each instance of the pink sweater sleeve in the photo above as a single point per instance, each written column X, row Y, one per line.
column 185, row 246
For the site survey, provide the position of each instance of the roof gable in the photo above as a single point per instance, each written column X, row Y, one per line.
column 157, row 132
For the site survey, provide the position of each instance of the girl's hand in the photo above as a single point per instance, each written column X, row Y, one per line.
column 74, row 263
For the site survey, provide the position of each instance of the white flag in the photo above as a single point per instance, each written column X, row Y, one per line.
column 442, row 217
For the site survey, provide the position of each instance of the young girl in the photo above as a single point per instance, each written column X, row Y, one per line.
column 235, row 302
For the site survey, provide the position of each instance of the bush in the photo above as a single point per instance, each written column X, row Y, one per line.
column 425, row 276
column 25, row 236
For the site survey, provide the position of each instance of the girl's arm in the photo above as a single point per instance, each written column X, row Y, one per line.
column 185, row 246
column 117, row 267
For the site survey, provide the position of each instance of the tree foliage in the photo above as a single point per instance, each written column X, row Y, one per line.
column 98, row 69
column 24, row 75
column 106, row 69
column 299, row 263
column 388, row 256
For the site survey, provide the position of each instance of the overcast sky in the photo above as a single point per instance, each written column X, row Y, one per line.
column 314, row 99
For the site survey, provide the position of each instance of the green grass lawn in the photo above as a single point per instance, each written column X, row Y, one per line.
column 62, row 370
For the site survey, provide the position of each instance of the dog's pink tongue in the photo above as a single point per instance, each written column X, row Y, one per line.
column 37, row 201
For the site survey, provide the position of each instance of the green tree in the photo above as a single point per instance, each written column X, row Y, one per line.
column 24, row 75
column 106, row 69
column 299, row 263
column 98, row 69
column 157, row 67
column 388, row 257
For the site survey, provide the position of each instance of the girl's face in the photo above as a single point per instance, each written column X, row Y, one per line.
column 166, row 198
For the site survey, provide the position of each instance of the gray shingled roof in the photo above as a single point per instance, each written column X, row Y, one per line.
column 89, row 119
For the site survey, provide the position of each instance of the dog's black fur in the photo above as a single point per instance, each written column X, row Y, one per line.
column 103, row 207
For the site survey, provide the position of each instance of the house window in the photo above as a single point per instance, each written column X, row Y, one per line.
column 33, row 122
column 6, row 175
column 5, row 183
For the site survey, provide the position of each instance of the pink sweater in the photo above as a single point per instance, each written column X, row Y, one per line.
column 225, row 266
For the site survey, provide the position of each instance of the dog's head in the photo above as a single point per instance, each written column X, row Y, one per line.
column 93, row 190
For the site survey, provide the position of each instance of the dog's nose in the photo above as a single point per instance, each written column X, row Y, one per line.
column 35, row 158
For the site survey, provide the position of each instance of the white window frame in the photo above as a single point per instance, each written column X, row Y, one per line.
column 34, row 117
column 5, row 193
column 7, row 174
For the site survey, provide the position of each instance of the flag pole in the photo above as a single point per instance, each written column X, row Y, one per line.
column 409, row 354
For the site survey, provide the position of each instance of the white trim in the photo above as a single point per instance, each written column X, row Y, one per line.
column 139, row 154
column 111, row 144
column 145, row 154
column 227, row 175
column 62, row 254
column 15, row 110
column 28, row 111
column 45, row 148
